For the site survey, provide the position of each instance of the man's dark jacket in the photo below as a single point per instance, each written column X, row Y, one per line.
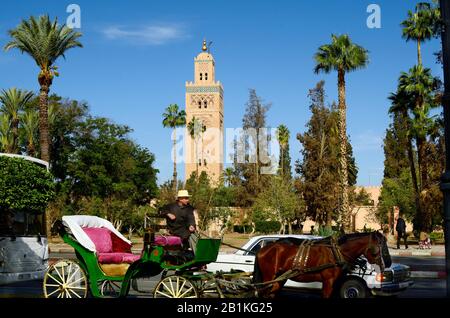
column 401, row 225
column 184, row 218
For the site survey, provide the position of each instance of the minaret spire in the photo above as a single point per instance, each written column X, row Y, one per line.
column 204, row 47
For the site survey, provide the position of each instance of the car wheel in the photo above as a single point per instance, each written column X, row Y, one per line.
column 353, row 288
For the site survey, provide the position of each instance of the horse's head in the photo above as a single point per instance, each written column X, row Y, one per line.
column 377, row 252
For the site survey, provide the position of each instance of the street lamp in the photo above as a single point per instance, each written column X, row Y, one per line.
column 445, row 180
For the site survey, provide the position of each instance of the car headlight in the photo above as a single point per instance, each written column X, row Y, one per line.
column 384, row 277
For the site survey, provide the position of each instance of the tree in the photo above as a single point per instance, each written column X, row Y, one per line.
column 420, row 85
column 16, row 190
column 13, row 103
column 319, row 178
column 45, row 41
column 173, row 118
column 202, row 194
column 6, row 136
column 248, row 174
column 196, row 128
column 421, row 25
column 277, row 202
column 30, row 124
column 228, row 175
column 283, row 135
column 342, row 56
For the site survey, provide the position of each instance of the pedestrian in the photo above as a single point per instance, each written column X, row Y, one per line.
column 180, row 218
column 401, row 231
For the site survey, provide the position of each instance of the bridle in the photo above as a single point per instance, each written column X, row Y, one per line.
column 379, row 258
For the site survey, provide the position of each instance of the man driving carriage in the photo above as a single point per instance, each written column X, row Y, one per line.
column 180, row 218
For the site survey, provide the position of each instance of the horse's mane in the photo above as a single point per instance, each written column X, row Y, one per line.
column 341, row 240
column 289, row 240
column 346, row 237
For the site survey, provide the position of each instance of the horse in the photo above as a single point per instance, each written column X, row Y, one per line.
column 323, row 260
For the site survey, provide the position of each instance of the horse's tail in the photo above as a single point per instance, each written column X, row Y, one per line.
column 257, row 275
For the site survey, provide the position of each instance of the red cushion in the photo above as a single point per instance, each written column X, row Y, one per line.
column 117, row 258
column 119, row 245
column 101, row 237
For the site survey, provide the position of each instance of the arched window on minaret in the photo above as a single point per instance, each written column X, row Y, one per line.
column 206, row 76
column 205, row 104
column 201, row 76
column 199, row 104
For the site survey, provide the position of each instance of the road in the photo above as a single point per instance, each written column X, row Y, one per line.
column 422, row 288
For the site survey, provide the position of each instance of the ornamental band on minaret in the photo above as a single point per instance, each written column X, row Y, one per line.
column 204, row 102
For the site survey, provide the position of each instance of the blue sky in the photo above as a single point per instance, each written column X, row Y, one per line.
column 137, row 56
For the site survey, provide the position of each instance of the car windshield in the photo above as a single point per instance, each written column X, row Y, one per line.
column 21, row 223
column 260, row 244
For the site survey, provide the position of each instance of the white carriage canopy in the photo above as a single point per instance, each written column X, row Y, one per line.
column 76, row 223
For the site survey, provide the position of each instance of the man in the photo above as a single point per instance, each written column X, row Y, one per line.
column 401, row 231
column 180, row 217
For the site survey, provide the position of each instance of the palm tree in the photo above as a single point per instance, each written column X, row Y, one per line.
column 196, row 130
column 6, row 139
column 421, row 25
column 228, row 175
column 30, row 124
column 173, row 118
column 342, row 56
column 420, row 85
column 401, row 103
column 45, row 41
column 283, row 135
column 13, row 102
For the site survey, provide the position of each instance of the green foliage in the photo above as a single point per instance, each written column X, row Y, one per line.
column 107, row 164
column 319, row 178
column 363, row 198
column 326, row 231
column 397, row 192
column 278, row 201
column 248, row 178
column 243, row 228
column 201, row 197
column 436, row 236
column 283, row 135
column 24, row 185
column 341, row 54
column 267, row 227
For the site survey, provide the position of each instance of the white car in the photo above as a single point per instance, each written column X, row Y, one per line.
column 362, row 282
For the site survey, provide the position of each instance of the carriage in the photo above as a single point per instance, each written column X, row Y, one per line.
column 106, row 267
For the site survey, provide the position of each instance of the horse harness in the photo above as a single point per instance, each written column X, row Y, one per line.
column 299, row 265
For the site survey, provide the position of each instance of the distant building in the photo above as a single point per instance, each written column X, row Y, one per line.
column 204, row 101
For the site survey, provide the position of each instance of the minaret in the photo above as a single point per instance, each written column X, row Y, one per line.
column 204, row 101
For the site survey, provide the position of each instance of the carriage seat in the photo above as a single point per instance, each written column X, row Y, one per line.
column 169, row 240
column 110, row 248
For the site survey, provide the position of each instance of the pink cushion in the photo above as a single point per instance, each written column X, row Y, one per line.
column 168, row 240
column 117, row 258
column 101, row 237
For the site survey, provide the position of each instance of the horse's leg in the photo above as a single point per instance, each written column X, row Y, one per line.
column 327, row 287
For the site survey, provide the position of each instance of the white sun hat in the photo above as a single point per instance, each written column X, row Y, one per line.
column 183, row 194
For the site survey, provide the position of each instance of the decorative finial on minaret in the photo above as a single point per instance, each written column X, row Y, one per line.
column 204, row 48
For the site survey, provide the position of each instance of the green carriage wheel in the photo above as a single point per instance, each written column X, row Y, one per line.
column 175, row 286
column 65, row 279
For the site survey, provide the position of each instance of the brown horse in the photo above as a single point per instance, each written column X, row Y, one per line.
column 316, row 260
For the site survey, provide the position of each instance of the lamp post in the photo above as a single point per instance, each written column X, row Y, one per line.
column 445, row 180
